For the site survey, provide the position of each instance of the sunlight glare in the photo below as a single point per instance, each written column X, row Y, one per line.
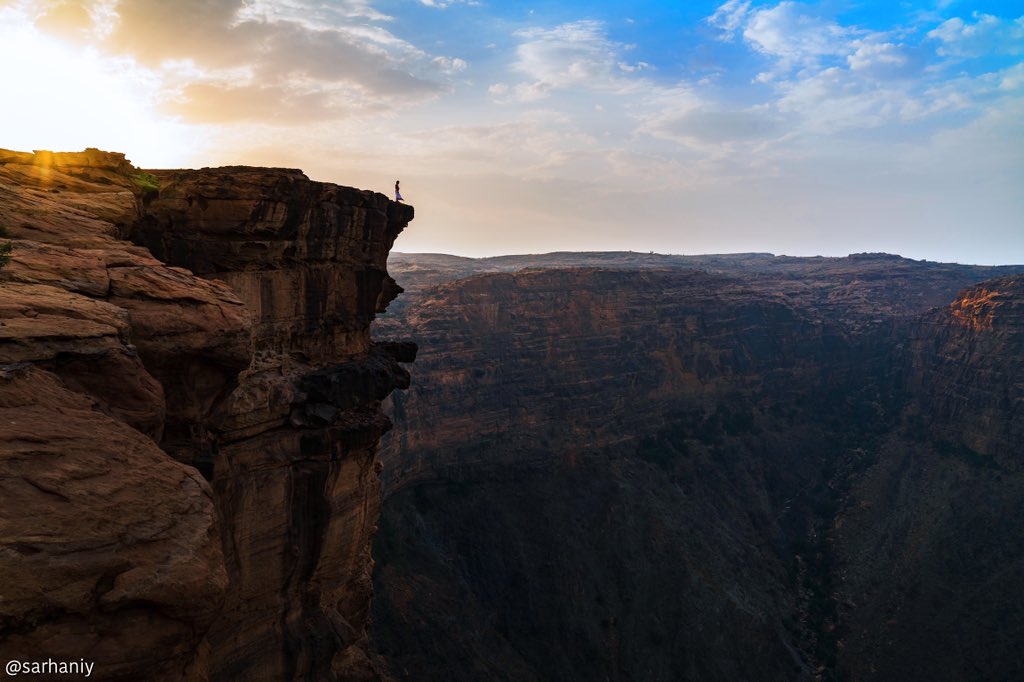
column 65, row 98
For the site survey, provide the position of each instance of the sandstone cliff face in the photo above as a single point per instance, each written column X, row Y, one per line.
column 657, row 473
column 667, row 332
column 110, row 548
column 242, row 351
column 298, row 434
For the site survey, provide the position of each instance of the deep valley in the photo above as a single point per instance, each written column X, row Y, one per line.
column 641, row 467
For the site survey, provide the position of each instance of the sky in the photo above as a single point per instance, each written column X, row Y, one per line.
column 803, row 128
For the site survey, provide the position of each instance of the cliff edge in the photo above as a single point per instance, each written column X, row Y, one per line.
column 189, row 410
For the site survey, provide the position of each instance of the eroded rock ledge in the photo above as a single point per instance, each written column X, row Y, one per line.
column 241, row 352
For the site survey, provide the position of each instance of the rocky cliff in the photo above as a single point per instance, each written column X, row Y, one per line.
column 650, row 471
column 189, row 422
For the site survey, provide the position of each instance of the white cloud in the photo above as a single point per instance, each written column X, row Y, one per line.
column 520, row 92
column 794, row 38
column 634, row 68
column 450, row 65
column 573, row 55
column 875, row 56
column 829, row 101
column 730, row 16
column 318, row 15
column 1012, row 79
column 826, row 77
column 444, row 4
column 987, row 34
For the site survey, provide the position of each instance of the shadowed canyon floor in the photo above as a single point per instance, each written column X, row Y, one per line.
column 641, row 467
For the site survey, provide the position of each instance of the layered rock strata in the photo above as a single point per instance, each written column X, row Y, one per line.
column 668, row 332
column 781, row 471
column 968, row 373
column 591, row 347
column 241, row 352
column 616, row 464
column 111, row 550
column 298, row 434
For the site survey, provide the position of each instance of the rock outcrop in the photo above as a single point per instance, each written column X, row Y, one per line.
column 299, row 432
column 110, row 548
column 968, row 372
column 240, row 352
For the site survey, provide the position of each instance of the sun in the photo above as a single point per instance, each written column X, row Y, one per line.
column 63, row 97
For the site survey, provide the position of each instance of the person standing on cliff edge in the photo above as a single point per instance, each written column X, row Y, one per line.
column 398, row 194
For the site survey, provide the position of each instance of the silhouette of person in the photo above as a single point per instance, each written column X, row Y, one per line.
column 398, row 194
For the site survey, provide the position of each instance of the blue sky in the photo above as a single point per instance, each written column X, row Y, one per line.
column 792, row 127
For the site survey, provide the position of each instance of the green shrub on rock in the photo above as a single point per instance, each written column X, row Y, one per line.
column 147, row 183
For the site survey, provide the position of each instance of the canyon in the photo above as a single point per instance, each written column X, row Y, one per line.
column 614, row 466
column 635, row 466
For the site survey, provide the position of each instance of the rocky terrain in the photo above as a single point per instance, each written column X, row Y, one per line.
column 631, row 466
column 610, row 466
column 189, row 409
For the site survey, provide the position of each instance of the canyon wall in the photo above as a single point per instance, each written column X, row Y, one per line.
column 574, row 331
column 518, row 366
column 194, row 433
column 646, row 471
column 929, row 544
column 598, row 490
